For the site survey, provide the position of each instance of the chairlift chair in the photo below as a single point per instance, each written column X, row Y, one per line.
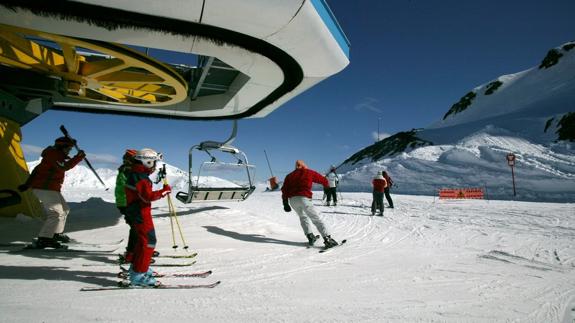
column 199, row 193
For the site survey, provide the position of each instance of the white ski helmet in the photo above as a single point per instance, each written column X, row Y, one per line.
column 148, row 157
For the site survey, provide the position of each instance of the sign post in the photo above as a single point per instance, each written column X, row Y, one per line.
column 511, row 163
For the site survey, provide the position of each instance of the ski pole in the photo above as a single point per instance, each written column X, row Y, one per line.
column 173, row 214
column 269, row 165
column 66, row 134
column 161, row 176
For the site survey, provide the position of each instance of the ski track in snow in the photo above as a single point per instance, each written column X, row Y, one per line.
column 426, row 260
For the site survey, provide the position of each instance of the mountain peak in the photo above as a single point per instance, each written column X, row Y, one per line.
column 529, row 113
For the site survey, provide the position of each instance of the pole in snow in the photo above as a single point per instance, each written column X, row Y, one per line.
column 273, row 180
column 269, row 166
column 511, row 163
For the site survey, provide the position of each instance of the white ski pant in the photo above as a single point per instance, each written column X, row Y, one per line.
column 56, row 210
column 303, row 206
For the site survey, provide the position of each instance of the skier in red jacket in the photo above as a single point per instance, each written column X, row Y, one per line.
column 379, row 184
column 139, row 197
column 296, row 191
column 46, row 182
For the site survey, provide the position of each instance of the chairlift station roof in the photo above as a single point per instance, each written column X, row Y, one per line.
column 94, row 55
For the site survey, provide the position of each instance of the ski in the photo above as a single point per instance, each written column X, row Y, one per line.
column 122, row 259
column 94, row 244
column 32, row 248
column 71, row 242
column 124, row 286
column 191, row 255
column 203, row 274
column 14, row 244
column 328, row 249
column 185, row 264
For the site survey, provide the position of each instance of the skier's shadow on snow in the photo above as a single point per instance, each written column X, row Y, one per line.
column 57, row 274
column 91, row 214
column 96, row 256
column 251, row 237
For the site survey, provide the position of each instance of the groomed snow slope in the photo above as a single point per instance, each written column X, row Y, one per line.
column 424, row 261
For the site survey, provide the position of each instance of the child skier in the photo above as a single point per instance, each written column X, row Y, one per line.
column 120, row 193
column 139, row 197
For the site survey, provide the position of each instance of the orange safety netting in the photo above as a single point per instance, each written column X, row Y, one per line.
column 461, row 193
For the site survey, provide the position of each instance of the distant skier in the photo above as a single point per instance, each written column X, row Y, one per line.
column 331, row 191
column 296, row 191
column 46, row 182
column 120, row 194
column 139, row 197
column 389, row 185
column 379, row 184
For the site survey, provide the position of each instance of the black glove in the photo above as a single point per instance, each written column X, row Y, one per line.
column 23, row 188
column 287, row 208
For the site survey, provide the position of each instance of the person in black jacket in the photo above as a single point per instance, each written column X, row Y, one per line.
column 386, row 191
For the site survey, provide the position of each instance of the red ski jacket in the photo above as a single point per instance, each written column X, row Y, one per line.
column 49, row 174
column 139, row 195
column 299, row 182
column 379, row 184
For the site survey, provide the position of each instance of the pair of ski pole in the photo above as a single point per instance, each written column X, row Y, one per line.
column 173, row 216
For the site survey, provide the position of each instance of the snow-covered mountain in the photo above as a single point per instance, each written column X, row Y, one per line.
column 530, row 114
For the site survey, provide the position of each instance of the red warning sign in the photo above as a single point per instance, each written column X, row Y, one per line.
column 461, row 193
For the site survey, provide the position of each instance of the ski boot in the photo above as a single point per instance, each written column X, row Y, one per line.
column 311, row 238
column 328, row 242
column 126, row 273
column 43, row 242
column 126, row 258
column 142, row 279
column 61, row 237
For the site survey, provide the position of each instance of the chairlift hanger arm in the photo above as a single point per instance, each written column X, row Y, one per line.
column 223, row 146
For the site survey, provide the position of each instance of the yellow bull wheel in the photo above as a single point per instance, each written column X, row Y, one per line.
column 93, row 70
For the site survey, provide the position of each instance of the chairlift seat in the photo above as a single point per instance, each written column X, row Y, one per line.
column 196, row 193
column 207, row 194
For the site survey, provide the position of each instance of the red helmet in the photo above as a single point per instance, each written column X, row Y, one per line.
column 129, row 154
column 65, row 142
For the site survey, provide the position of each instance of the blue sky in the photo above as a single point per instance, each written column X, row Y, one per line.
column 410, row 61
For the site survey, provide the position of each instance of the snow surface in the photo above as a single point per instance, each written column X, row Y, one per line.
column 425, row 261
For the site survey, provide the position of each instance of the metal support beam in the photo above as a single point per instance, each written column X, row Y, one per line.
column 205, row 71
